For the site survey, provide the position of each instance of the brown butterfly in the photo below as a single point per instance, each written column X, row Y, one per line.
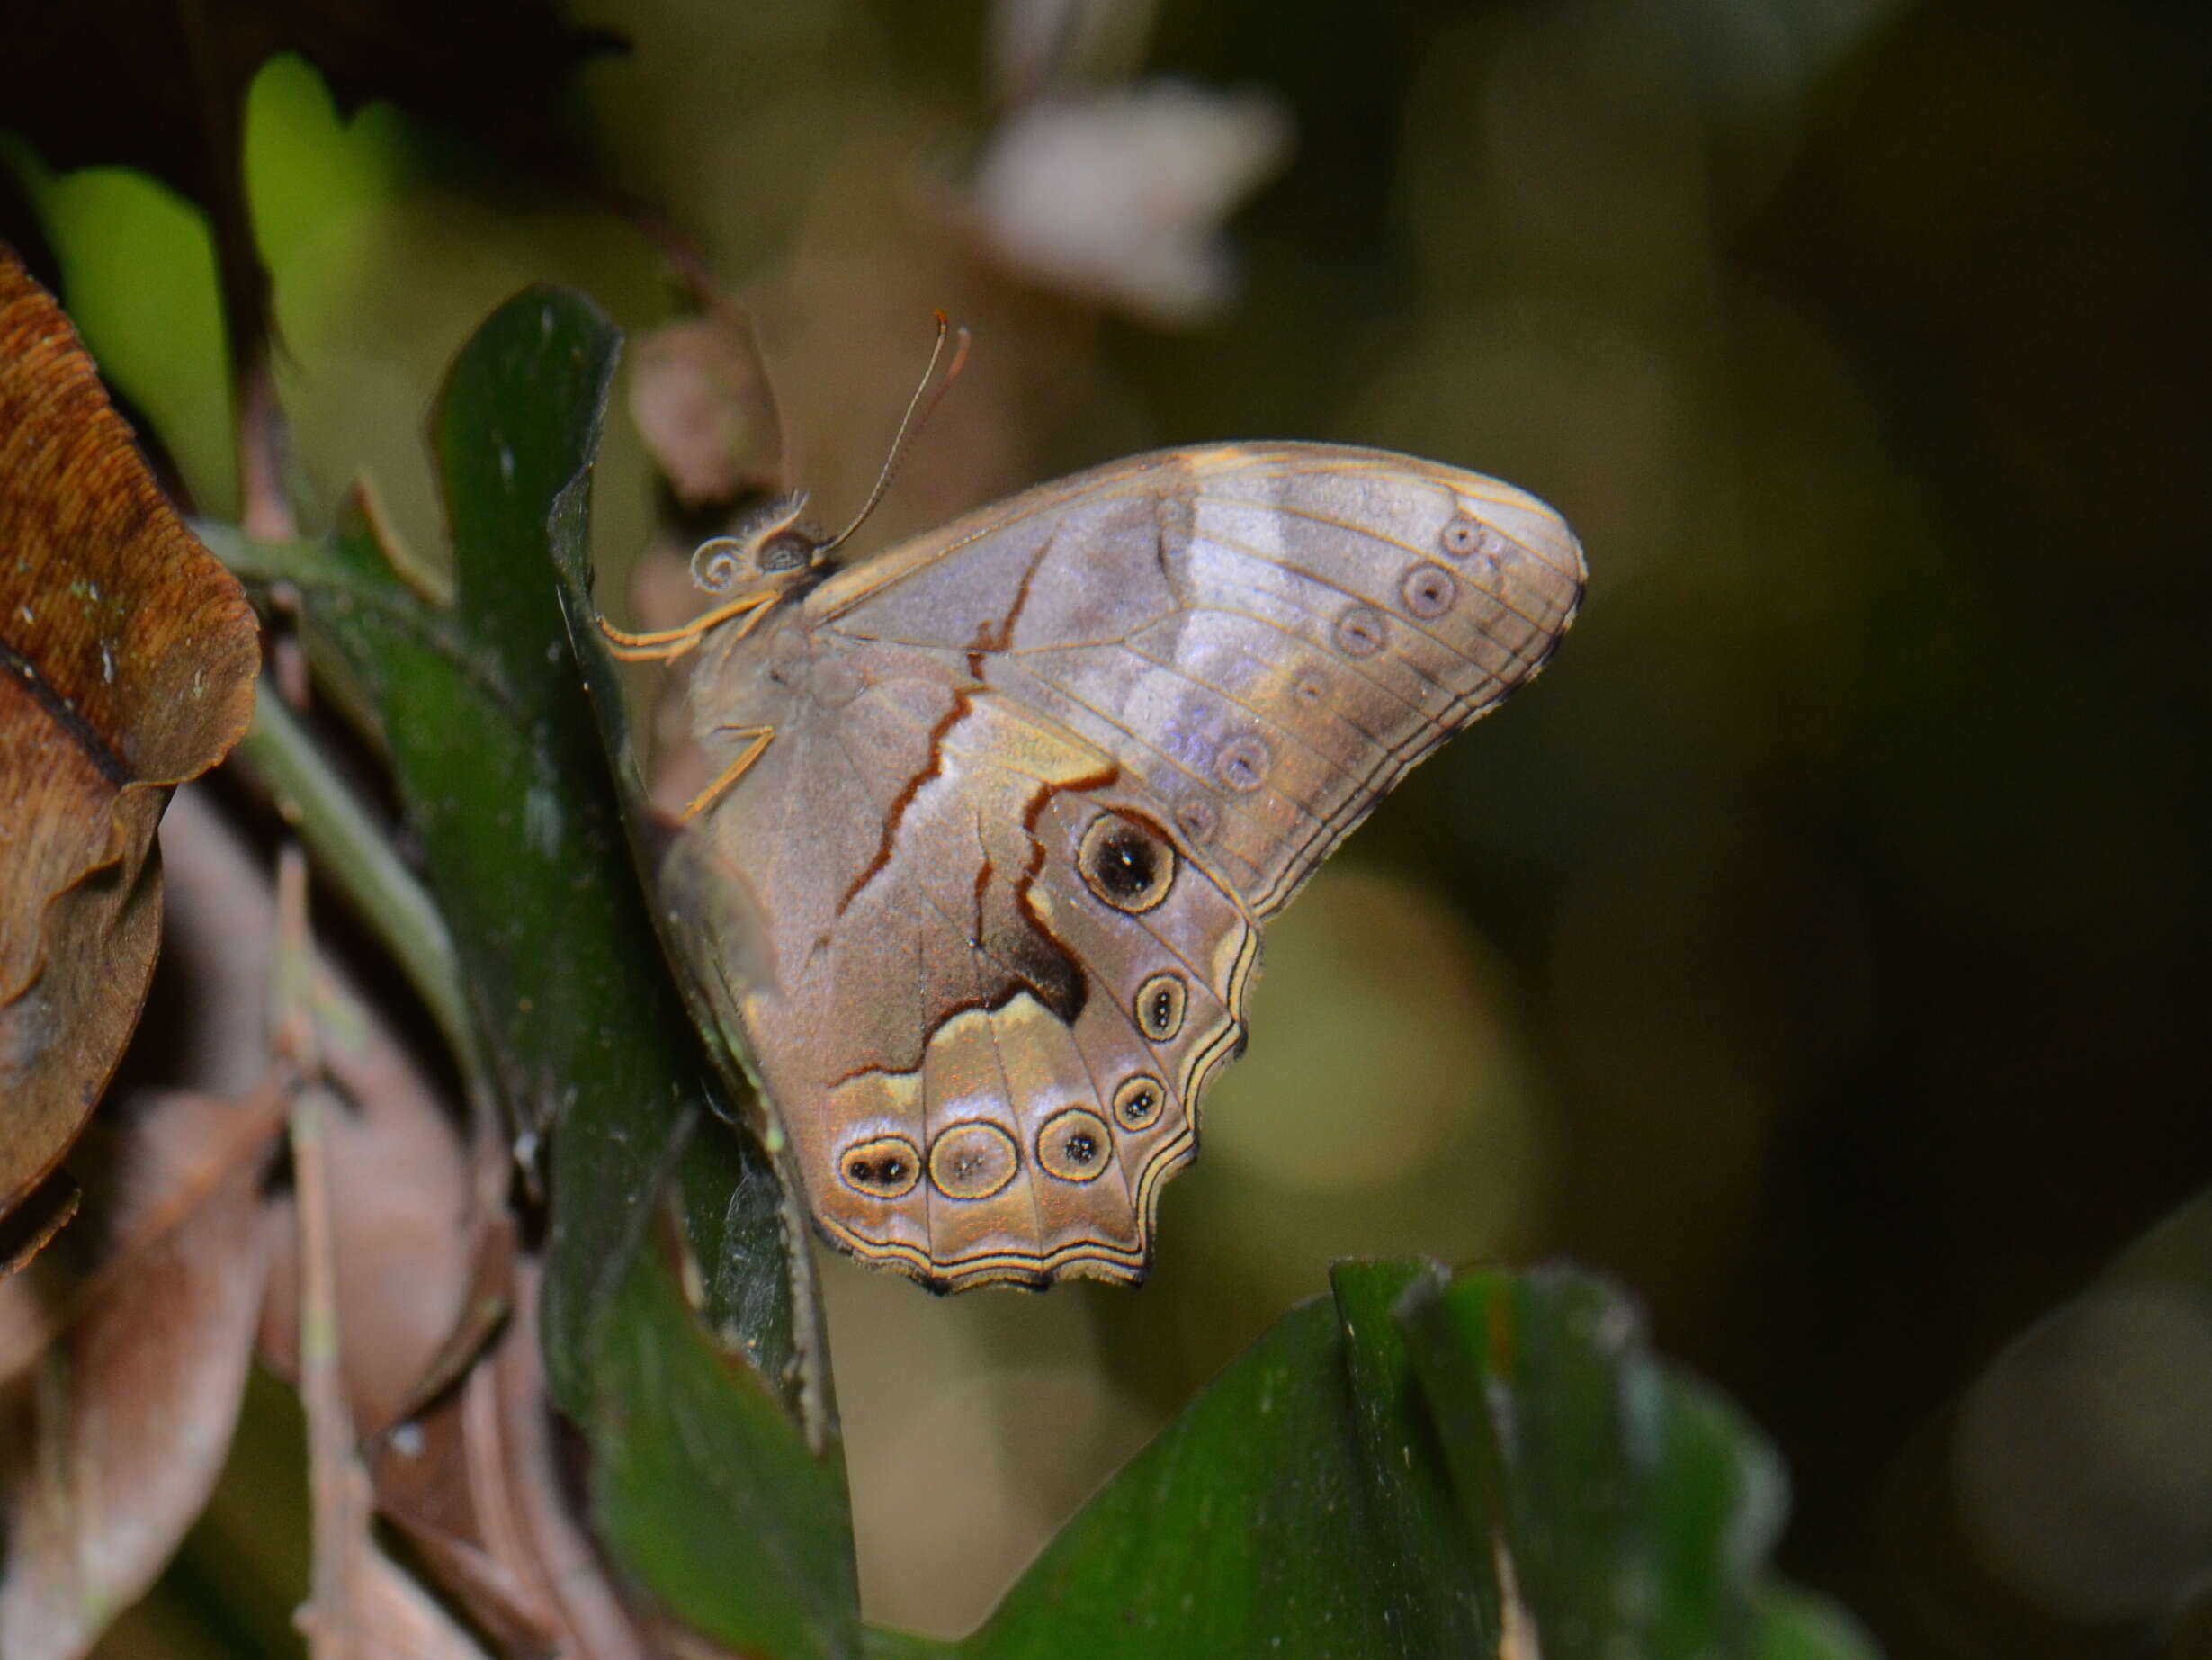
column 999, row 813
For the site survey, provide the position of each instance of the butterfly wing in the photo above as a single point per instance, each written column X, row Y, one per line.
column 989, row 904
column 1265, row 637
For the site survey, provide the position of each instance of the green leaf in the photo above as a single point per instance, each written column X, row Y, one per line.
column 700, row 1478
column 1350, row 1486
column 1788, row 1625
column 1297, row 1507
column 1634, row 1507
column 493, row 743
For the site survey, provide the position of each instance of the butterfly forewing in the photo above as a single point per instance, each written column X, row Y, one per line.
column 1034, row 781
column 1266, row 636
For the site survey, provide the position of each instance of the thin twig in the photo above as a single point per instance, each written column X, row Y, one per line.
column 337, row 1484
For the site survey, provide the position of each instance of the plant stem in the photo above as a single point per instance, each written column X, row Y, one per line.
column 349, row 848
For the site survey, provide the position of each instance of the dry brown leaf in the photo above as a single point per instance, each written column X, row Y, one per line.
column 423, row 1234
column 475, row 1484
column 362, row 1606
column 123, row 1353
column 129, row 658
column 703, row 402
column 422, row 1238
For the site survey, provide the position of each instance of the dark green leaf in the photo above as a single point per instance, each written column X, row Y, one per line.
column 493, row 742
column 1634, row 1507
column 1349, row 1485
column 1296, row 1508
column 700, row 1478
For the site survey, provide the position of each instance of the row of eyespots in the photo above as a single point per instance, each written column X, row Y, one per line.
column 975, row 1160
column 1428, row 590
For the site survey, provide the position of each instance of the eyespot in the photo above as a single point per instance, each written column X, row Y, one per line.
column 885, row 1168
column 1160, row 1006
column 1138, row 1101
column 1243, row 762
column 1465, row 535
column 972, row 1161
column 1429, row 591
column 1198, row 820
column 1311, row 687
column 1360, row 631
column 1125, row 863
column 1075, row 1145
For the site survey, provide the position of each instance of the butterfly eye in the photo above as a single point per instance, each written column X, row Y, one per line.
column 886, row 1167
column 785, row 553
column 1126, row 864
column 1137, row 1102
column 1075, row 1145
column 1160, row 1006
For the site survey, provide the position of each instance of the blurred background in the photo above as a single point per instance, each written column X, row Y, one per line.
column 1817, row 949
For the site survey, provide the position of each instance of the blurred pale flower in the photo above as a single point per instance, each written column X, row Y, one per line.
column 1118, row 194
column 1033, row 44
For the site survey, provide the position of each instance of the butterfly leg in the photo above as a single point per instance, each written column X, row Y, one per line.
column 761, row 736
column 665, row 645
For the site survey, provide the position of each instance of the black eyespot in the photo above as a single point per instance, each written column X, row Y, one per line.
column 1160, row 1006
column 884, row 1167
column 1075, row 1144
column 1126, row 863
column 1138, row 1101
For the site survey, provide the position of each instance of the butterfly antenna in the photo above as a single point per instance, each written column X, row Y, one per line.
column 909, row 424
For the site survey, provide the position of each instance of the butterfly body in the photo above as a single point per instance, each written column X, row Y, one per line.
column 1009, row 802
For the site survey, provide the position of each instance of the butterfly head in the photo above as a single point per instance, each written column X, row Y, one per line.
column 770, row 548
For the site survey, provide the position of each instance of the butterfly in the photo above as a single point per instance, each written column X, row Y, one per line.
column 998, row 814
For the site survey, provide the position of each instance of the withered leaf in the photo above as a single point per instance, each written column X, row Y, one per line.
column 703, row 402
column 128, row 657
column 477, row 1486
column 123, row 1353
column 421, row 1237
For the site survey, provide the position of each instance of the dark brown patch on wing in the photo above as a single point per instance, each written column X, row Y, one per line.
column 1044, row 967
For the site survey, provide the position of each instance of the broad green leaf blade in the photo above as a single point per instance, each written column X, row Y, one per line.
column 1296, row 1508
column 1635, row 1508
column 1351, row 1485
column 702, row 1481
column 1433, row 1560
column 1787, row 1625
column 493, row 743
